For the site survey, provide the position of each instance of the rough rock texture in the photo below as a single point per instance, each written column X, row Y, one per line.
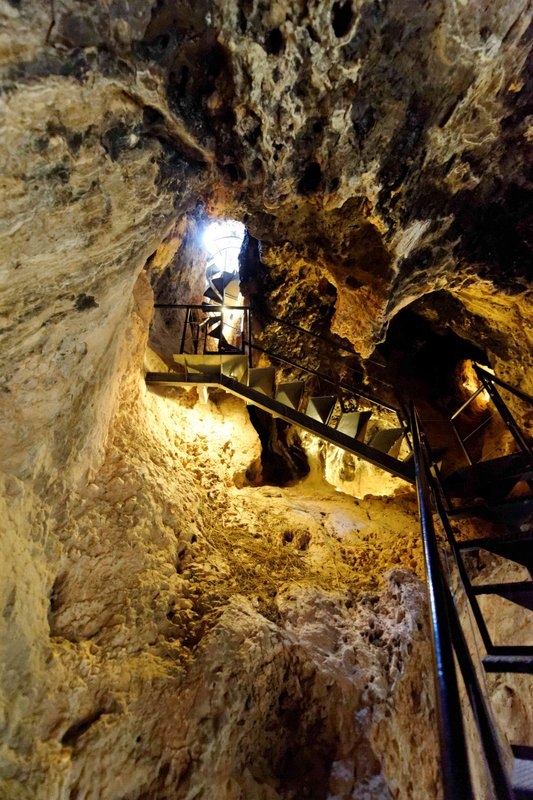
column 380, row 156
column 167, row 633
column 308, row 120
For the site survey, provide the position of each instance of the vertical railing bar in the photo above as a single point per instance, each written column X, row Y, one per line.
column 462, row 444
column 250, row 345
column 504, row 412
column 182, row 346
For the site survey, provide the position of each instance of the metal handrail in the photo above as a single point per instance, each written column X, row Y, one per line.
column 454, row 754
column 488, row 383
column 334, row 383
column 218, row 308
column 447, row 638
column 326, row 341
column 500, row 382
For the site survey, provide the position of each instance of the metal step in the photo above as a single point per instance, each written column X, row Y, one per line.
column 385, row 439
column 520, row 592
column 212, row 294
column 509, row 663
column 231, row 291
column 261, row 379
column 290, row 394
column 522, row 777
column 512, row 512
column 235, row 366
column 491, row 479
column 200, row 368
column 514, row 548
column 353, row 423
column 216, row 287
column 321, row 408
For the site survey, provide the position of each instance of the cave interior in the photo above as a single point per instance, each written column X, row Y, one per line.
column 215, row 578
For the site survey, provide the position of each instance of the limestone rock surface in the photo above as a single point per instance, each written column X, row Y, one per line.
column 170, row 633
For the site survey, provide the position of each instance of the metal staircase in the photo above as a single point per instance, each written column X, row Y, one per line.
column 216, row 349
column 498, row 491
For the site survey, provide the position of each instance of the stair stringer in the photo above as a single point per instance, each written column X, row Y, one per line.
column 400, row 469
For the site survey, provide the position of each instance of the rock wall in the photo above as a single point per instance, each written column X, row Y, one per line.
column 166, row 632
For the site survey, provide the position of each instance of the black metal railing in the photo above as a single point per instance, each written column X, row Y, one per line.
column 487, row 385
column 333, row 347
column 448, row 639
column 201, row 320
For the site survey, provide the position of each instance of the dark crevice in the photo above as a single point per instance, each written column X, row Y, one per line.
column 342, row 18
column 311, row 179
column 283, row 459
column 72, row 734
column 274, row 42
column 85, row 302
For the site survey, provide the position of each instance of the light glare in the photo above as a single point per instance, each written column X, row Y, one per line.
column 223, row 239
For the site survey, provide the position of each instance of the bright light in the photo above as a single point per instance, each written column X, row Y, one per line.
column 471, row 384
column 223, row 239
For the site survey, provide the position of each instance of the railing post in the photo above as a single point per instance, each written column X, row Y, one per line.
column 250, row 353
column 184, row 334
column 504, row 412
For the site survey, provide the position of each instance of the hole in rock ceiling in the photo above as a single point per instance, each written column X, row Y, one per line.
column 222, row 240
